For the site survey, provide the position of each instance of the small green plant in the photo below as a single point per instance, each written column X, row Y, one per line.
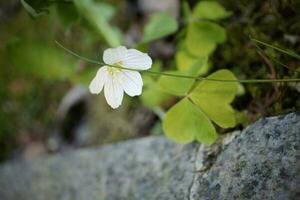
column 193, row 101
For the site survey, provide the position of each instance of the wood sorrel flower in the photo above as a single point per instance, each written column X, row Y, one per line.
column 116, row 81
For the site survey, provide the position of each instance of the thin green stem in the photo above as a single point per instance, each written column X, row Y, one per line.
column 76, row 55
column 270, row 57
column 288, row 52
column 197, row 78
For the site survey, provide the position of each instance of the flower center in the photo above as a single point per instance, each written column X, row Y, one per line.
column 113, row 70
column 119, row 64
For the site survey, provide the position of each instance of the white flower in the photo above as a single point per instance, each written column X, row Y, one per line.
column 117, row 81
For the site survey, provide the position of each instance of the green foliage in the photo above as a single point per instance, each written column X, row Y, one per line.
column 33, row 66
column 210, row 10
column 157, row 129
column 285, row 51
column 185, row 122
column 95, row 13
column 174, row 85
column 98, row 16
column 203, row 37
column 181, row 86
column 36, row 8
column 84, row 77
column 191, row 118
column 186, row 10
column 154, row 97
column 36, row 58
column 209, row 101
column 67, row 13
column 160, row 25
column 214, row 98
column 185, row 62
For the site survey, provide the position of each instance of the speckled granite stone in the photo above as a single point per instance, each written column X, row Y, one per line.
column 261, row 162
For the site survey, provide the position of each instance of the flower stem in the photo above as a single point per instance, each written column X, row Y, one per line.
column 197, row 78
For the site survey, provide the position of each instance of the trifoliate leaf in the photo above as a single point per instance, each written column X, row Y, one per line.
column 210, row 10
column 185, row 122
column 214, row 98
column 160, row 25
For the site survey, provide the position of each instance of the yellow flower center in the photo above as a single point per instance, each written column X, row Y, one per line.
column 113, row 70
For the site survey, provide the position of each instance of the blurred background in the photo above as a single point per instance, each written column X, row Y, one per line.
column 45, row 104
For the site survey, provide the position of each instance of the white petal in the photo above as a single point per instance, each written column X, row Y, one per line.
column 135, row 59
column 114, row 55
column 97, row 83
column 113, row 91
column 132, row 83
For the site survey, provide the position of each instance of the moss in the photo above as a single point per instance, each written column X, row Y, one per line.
column 274, row 22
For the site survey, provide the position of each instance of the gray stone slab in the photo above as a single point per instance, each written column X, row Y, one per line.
column 261, row 162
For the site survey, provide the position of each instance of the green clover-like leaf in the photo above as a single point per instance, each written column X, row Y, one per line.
column 154, row 97
column 185, row 122
column 210, row 10
column 160, row 25
column 185, row 61
column 214, row 98
column 181, row 86
column 203, row 37
column 174, row 85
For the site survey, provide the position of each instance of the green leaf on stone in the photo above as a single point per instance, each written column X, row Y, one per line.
column 160, row 25
column 203, row 37
column 98, row 15
column 214, row 98
column 185, row 122
column 210, row 10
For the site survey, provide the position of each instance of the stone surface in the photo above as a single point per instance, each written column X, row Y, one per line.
column 261, row 162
